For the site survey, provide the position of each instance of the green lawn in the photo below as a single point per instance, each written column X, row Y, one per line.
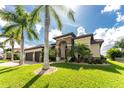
column 68, row 75
column 2, row 61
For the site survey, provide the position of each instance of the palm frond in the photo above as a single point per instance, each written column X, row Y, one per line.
column 56, row 18
column 9, row 28
column 19, row 10
column 32, row 34
column 70, row 15
column 17, row 35
column 35, row 35
column 8, row 16
column 67, row 11
column 7, row 40
column 35, row 18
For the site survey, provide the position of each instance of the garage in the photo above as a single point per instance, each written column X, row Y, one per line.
column 38, row 58
column 29, row 56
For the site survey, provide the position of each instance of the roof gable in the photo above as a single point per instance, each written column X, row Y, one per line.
column 72, row 34
column 83, row 36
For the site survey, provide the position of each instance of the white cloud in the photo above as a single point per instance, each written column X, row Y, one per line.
column 120, row 17
column 110, row 8
column 53, row 33
column 38, row 27
column 109, row 35
column 2, row 23
column 80, row 31
column 2, row 6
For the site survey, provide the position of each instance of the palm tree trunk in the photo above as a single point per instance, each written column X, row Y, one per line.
column 46, row 45
column 12, row 51
column 22, row 55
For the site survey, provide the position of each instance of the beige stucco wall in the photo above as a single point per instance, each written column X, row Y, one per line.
column 95, row 50
column 86, row 41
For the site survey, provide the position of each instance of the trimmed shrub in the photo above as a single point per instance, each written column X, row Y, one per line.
column 16, row 56
column 103, row 59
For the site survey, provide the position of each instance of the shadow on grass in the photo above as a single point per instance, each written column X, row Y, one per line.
column 109, row 68
column 34, row 79
column 46, row 86
column 9, row 69
column 5, row 68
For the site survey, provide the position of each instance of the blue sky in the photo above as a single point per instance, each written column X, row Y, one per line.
column 103, row 21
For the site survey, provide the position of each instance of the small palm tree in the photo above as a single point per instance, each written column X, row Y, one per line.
column 81, row 51
column 20, row 23
column 50, row 11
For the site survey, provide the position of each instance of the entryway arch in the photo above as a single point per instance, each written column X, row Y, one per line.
column 62, row 49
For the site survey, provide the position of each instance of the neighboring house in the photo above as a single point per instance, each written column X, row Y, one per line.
column 63, row 43
column 1, row 56
column 8, row 53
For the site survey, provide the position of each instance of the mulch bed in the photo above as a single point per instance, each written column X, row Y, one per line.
column 41, row 71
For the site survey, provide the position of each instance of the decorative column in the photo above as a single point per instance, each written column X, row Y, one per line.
column 41, row 55
column 69, row 46
column 68, row 55
column 57, row 53
column 33, row 56
column 4, row 56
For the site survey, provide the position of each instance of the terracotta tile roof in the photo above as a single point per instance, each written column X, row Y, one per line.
column 72, row 34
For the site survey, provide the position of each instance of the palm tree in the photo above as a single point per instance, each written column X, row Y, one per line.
column 20, row 23
column 11, row 38
column 49, row 11
column 2, row 46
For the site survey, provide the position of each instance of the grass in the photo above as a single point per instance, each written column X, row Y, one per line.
column 68, row 75
column 2, row 61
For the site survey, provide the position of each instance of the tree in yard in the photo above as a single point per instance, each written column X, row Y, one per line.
column 50, row 12
column 19, row 21
column 112, row 53
column 120, row 44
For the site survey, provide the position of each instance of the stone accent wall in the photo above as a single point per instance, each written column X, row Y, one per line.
column 69, row 43
column 95, row 50
column 86, row 41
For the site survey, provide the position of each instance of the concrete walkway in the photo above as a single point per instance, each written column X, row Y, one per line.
column 9, row 64
column 16, row 63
